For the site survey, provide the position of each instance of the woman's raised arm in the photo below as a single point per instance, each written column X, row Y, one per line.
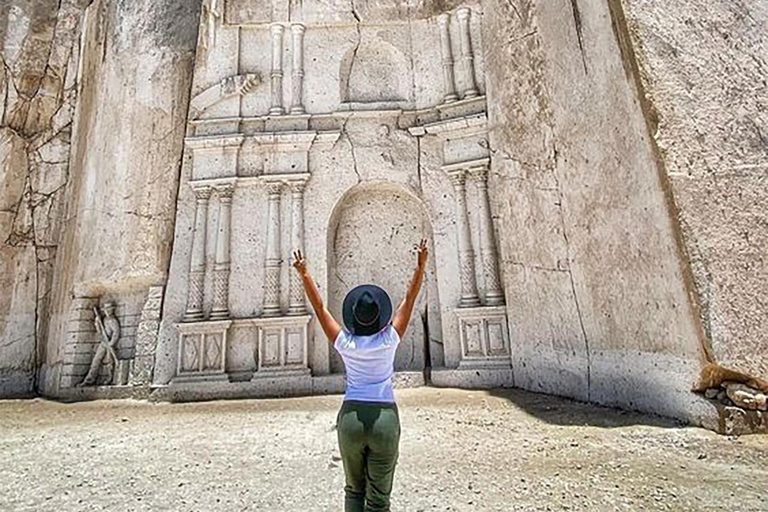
column 403, row 313
column 329, row 324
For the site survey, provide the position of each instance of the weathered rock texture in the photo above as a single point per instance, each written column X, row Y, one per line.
column 703, row 68
column 623, row 144
column 39, row 51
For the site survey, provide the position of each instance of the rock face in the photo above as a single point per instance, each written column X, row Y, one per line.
column 172, row 170
column 705, row 88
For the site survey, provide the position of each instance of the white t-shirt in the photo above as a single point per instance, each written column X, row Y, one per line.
column 369, row 361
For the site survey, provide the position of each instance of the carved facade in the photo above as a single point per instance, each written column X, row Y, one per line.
column 349, row 140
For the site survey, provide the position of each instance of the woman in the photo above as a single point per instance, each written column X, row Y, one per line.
column 368, row 425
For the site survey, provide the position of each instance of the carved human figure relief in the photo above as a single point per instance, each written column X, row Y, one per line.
column 210, row 14
column 108, row 331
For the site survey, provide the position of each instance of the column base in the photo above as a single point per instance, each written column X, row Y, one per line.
column 193, row 317
column 220, row 315
column 276, row 111
column 469, row 302
column 450, row 98
column 272, row 311
column 494, row 300
column 297, row 110
column 472, row 93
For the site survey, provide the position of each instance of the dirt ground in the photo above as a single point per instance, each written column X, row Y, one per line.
column 460, row 451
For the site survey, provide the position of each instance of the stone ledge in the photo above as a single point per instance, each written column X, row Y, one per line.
column 101, row 393
column 477, row 378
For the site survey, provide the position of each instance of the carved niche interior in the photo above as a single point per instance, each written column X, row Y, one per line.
column 349, row 139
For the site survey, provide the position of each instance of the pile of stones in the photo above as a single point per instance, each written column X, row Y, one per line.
column 739, row 395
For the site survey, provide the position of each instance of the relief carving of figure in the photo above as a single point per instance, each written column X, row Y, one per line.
column 108, row 330
column 211, row 12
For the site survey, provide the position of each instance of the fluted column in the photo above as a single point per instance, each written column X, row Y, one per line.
column 273, row 260
column 297, row 304
column 470, row 88
column 449, row 82
column 469, row 296
column 297, row 107
column 494, row 294
column 194, row 309
column 222, row 263
column 276, row 32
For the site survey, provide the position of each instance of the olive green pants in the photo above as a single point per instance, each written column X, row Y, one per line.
column 369, row 438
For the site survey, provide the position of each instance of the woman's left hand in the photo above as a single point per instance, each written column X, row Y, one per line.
column 299, row 263
column 423, row 253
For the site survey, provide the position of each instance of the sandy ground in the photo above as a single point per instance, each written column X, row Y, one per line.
column 460, row 451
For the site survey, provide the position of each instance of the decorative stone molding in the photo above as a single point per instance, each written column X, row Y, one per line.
column 276, row 31
column 494, row 293
column 297, row 80
column 449, row 82
column 211, row 14
column 484, row 337
column 234, row 85
column 282, row 344
column 273, row 261
column 194, row 310
column 469, row 296
column 202, row 351
column 146, row 338
column 470, row 88
column 221, row 266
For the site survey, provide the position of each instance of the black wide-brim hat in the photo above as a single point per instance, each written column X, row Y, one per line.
column 367, row 310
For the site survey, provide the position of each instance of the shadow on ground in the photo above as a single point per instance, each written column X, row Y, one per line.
column 568, row 412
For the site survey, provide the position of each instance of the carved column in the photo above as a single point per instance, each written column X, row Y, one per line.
column 469, row 296
column 470, row 90
column 297, row 107
column 194, row 309
column 272, row 262
column 449, row 83
column 276, row 31
column 494, row 294
column 221, row 266
column 297, row 304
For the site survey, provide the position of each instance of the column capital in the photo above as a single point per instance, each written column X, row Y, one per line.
column 479, row 174
column 276, row 29
column 463, row 13
column 202, row 192
column 226, row 190
column 458, row 177
column 297, row 186
column 274, row 187
column 443, row 19
column 298, row 28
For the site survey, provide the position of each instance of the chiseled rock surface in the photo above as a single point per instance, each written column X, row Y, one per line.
column 704, row 80
column 460, row 451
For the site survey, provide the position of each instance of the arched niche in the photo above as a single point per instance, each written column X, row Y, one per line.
column 374, row 71
column 371, row 239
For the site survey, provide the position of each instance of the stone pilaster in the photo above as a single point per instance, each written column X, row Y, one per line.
column 297, row 304
column 273, row 260
column 297, row 81
column 469, row 296
column 494, row 293
column 276, row 31
column 146, row 338
column 196, row 281
column 470, row 88
column 449, row 83
column 221, row 265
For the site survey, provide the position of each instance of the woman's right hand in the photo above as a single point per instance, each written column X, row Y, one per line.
column 299, row 263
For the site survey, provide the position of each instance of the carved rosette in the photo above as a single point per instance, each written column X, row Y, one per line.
column 469, row 295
